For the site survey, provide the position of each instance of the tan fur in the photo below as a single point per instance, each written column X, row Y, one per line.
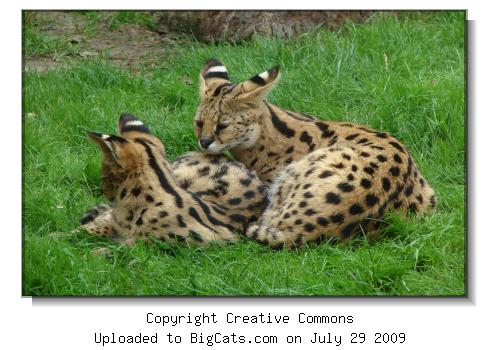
column 197, row 199
column 363, row 171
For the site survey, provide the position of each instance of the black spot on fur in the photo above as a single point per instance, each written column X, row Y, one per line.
column 433, row 201
column 354, row 168
column 238, row 218
column 123, row 193
column 309, row 227
column 355, row 209
column 303, row 204
column 221, row 172
column 368, row 170
column 397, row 158
column 366, row 183
column 382, row 135
column 195, row 235
column 136, row 191
column 365, row 154
column 204, row 171
column 409, row 190
column 386, row 184
column 337, row 218
column 397, row 146
column 332, row 198
column 324, row 174
column 351, row 137
column 327, row 134
column 289, row 150
column 322, row 221
column 249, row 194
column 420, row 199
column 381, row 158
column 178, row 238
column 245, row 182
column 322, row 126
column 346, row 156
column 305, row 137
column 371, row 200
column 309, row 172
column 149, row 198
column 394, row 171
column 348, row 230
column 180, row 221
column 380, row 212
column 345, row 187
column 308, row 195
column 234, row 201
column 310, row 212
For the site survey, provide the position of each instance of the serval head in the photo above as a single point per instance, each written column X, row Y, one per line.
column 228, row 114
column 124, row 156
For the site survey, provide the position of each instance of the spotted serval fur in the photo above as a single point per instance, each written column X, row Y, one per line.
column 328, row 178
column 198, row 199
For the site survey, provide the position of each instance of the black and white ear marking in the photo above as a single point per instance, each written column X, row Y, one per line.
column 104, row 138
column 266, row 77
column 129, row 122
column 259, row 86
column 213, row 68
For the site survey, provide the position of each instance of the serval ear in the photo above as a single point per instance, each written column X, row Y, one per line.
column 110, row 145
column 129, row 123
column 212, row 75
column 259, row 86
column 131, row 127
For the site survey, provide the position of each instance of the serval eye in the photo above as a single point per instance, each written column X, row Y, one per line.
column 199, row 124
column 220, row 127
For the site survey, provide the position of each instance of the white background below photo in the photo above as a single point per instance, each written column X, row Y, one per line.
column 434, row 323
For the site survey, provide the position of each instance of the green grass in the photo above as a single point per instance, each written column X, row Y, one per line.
column 416, row 93
column 36, row 43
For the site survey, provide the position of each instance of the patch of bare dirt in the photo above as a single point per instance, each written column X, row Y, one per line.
column 126, row 46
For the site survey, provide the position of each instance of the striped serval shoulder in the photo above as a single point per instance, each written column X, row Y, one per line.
column 328, row 179
column 197, row 199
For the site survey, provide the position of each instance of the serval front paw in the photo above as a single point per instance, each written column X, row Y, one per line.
column 94, row 213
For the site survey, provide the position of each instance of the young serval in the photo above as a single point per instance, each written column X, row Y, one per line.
column 199, row 199
column 328, row 178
